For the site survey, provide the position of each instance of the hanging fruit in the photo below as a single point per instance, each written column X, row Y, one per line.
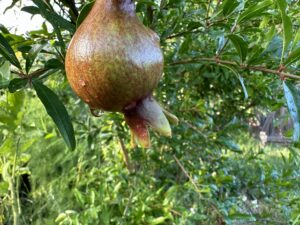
column 114, row 63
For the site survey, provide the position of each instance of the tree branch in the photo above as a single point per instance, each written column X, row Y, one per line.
column 193, row 31
column 73, row 11
column 263, row 69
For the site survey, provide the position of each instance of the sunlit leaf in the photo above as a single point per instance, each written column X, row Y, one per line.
column 296, row 41
column 293, row 57
column 287, row 26
column 221, row 43
column 229, row 6
column 292, row 96
column 229, row 144
column 3, row 188
column 241, row 79
column 253, row 11
column 5, row 70
column 4, row 84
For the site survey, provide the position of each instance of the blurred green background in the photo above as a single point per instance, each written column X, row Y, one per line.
column 223, row 77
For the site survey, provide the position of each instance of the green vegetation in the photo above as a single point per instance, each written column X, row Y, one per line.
column 224, row 62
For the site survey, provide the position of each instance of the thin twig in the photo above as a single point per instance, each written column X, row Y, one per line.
column 208, row 8
column 125, row 155
column 186, row 173
column 243, row 66
column 194, row 128
column 193, row 31
column 196, row 187
column 128, row 204
column 267, row 220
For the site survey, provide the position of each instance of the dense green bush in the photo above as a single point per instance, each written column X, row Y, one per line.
column 223, row 61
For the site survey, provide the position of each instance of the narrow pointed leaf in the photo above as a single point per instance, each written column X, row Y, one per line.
column 287, row 26
column 3, row 29
column 57, row 112
column 240, row 45
column 293, row 57
column 221, row 43
column 53, row 17
column 31, row 9
column 17, row 84
column 84, row 12
column 229, row 6
column 241, row 79
column 292, row 96
column 31, row 56
column 254, row 11
column 296, row 41
column 8, row 53
column 4, row 84
column 229, row 144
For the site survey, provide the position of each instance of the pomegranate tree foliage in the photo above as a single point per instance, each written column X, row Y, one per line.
column 223, row 61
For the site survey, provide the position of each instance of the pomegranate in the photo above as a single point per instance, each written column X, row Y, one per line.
column 114, row 62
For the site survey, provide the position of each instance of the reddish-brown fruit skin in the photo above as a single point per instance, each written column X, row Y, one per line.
column 113, row 60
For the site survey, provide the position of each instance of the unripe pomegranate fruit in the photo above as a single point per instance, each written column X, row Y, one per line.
column 114, row 62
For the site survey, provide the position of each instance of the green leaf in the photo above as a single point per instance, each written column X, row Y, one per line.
column 287, row 26
column 5, row 70
column 84, row 12
column 8, row 52
column 17, row 84
column 229, row 6
column 54, row 64
column 57, row 111
column 4, row 187
column 292, row 96
column 31, row 9
column 230, row 144
column 46, row 74
column 221, row 43
column 3, row 29
column 158, row 220
column 4, row 84
column 240, row 45
column 56, row 21
column 53, row 17
column 296, row 40
column 242, row 216
column 293, row 57
column 255, row 10
column 31, row 56
column 184, row 47
column 241, row 79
